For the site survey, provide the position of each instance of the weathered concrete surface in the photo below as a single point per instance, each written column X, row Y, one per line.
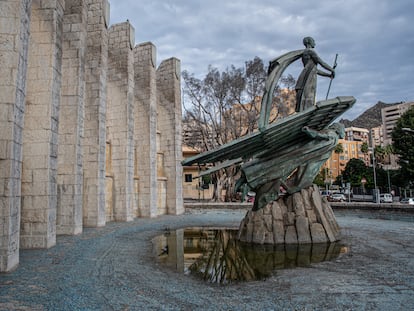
column 112, row 268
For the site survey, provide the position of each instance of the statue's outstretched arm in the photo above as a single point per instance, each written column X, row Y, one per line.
column 319, row 61
column 326, row 74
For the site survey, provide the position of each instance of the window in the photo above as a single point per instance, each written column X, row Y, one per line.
column 188, row 177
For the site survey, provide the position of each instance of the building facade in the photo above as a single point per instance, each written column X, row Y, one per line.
column 377, row 136
column 357, row 134
column 91, row 127
column 390, row 116
column 194, row 188
column 334, row 166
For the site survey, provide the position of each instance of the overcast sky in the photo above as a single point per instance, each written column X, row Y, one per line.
column 374, row 38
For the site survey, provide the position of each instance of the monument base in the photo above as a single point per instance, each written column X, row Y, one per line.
column 301, row 218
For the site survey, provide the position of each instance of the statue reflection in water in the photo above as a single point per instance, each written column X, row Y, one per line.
column 216, row 256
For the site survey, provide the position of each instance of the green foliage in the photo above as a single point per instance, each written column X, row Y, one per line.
column 380, row 154
column 206, row 179
column 364, row 148
column 339, row 148
column 403, row 138
column 355, row 169
column 320, row 179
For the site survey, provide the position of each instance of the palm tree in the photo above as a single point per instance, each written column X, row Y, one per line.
column 388, row 151
column 379, row 154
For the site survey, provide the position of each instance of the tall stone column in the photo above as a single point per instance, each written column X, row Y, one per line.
column 40, row 135
column 14, row 40
column 94, row 141
column 120, row 117
column 169, row 123
column 70, row 178
column 146, row 128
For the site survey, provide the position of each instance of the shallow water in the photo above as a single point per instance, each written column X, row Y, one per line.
column 216, row 256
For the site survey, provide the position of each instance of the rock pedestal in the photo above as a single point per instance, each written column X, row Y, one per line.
column 301, row 218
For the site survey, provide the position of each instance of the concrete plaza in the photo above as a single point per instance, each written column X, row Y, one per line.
column 112, row 268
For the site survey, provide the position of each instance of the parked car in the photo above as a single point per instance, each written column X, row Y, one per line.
column 407, row 201
column 385, row 198
column 337, row 197
column 325, row 193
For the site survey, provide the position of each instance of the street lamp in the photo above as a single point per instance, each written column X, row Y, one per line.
column 374, row 194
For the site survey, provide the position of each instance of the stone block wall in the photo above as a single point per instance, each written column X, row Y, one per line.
column 146, row 128
column 120, row 117
column 94, row 141
column 169, row 124
column 86, row 135
column 301, row 218
column 14, row 39
column 40, row 135
column 70, row 177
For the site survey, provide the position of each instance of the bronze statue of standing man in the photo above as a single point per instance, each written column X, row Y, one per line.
column 306, row 84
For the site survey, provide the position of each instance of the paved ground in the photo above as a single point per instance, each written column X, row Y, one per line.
column 112, row 268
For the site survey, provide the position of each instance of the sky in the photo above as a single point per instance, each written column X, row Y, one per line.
column 374, row 39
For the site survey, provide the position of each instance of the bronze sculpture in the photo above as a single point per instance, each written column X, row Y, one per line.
column 306, row 83
column 285, row 157
column 293, row 168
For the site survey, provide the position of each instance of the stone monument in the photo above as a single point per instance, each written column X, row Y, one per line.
column 90, row 124
column 281, row 160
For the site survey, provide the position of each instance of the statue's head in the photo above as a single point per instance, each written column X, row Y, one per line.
column 309, row 42
column 339, row 129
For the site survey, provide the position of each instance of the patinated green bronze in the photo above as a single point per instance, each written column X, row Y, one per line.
column 294, row 167
column 306, row 82
column 284, row 157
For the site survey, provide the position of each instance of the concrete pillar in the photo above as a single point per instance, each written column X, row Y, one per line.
column 120, row 117
column 146, row 128
column 95, row 114
column 70, row 178
column 14, row 39
column 169, row 124
column 40, row 135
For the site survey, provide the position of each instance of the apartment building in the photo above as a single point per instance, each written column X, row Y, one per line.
column 390, row 116
column 337, row 162
column 377, row 136
column 357, row 134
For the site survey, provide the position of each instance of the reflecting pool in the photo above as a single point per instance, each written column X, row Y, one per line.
column 216, row 256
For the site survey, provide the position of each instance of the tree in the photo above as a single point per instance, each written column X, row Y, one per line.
column 354, row 170
column 403, row 144
column 364, row 147
column 320, row 178
column 209, row 116
column 379, row 153
column 225, row 106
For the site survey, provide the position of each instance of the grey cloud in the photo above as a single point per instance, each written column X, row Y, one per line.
column 374, row 38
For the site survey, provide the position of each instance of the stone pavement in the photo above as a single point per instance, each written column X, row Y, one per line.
column 112, row 268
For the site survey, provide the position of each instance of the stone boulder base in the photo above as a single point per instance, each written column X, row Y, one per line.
column 301, row 218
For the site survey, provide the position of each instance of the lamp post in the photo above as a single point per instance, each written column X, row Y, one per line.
column 374, row 194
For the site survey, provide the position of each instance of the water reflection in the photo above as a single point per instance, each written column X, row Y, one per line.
column 216, row 256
